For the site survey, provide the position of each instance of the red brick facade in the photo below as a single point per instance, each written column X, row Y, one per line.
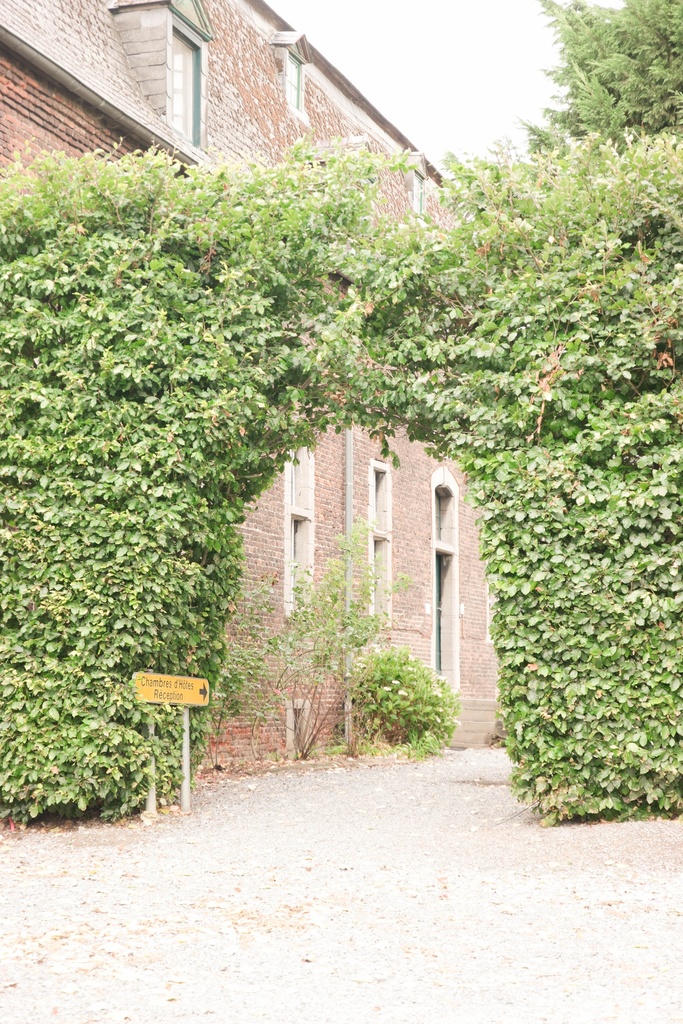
column 38, row 115
column 247, row 116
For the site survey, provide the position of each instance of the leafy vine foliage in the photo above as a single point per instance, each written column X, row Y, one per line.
column 164, row 344
column 540, row 342
column 167, row 340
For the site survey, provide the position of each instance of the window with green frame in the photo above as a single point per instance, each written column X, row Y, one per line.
column 294, row 75
column 192, row 12
column 186, row 87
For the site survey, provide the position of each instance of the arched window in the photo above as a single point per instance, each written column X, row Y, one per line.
column 446, row 576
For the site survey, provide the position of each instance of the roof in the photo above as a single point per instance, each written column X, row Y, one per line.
column 51, row 35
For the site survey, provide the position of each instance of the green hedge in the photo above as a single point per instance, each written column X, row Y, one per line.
column 543, row 344
column 162, row 350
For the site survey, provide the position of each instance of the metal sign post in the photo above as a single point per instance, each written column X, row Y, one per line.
column 183, row 690
column 185, row 805
column 151, row 807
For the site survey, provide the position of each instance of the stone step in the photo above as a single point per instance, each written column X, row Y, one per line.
column 479, row 724
column 472, row 739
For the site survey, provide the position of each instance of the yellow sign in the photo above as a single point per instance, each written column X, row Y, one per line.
column 155, row 689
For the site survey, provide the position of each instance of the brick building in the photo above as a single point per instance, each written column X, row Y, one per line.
column 209, row 78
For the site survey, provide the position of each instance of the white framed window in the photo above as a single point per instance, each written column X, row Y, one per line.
column 299, row 522
column 380, row 561
column 445, row 576
column 419, row 188
column 294, row 79
column 379, row 541
column 380, row 498
column 186, row 87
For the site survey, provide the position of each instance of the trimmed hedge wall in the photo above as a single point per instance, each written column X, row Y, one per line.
column 161, row 352
column 540, row 343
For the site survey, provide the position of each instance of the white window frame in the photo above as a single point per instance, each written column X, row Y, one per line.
column 191, row 37
column 446, row 544
column 381, row 529
column 299, row 508
column 294, row 78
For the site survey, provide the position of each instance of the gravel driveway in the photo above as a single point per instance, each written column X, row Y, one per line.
column 388, row 892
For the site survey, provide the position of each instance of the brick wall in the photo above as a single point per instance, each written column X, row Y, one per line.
column 412, row 554
column 37, row 115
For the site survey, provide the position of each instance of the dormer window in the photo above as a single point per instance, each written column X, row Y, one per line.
column 416, row 183
column 166, row 42
column 186, row 85
column 292, row 53
column 418, row 193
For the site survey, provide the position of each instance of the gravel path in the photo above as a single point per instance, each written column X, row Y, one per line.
column 388, row 893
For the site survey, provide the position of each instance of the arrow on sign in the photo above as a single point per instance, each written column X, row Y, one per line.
column 203, row 692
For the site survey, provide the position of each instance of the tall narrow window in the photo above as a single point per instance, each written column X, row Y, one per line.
column 299, row 535
column 444, row 512
column 295, row 485
column 441, row 569
column 380, row 549
column 418, row 193
column 294, row 75
column 379, row 516
column 440, row 503
column 380, row 508
column 445, row 570
column 298, row 530
column 186, row 79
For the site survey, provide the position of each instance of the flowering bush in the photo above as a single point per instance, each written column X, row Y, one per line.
column 398, row 698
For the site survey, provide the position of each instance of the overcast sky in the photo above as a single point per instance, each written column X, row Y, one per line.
column 453, row 75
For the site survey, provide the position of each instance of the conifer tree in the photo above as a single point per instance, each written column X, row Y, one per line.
column 621, row 69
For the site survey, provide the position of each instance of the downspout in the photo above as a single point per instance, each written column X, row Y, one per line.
column 348, row 531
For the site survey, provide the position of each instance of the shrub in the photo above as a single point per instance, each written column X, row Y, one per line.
column 164, row 347
column 305, row 658
column 399, row 699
